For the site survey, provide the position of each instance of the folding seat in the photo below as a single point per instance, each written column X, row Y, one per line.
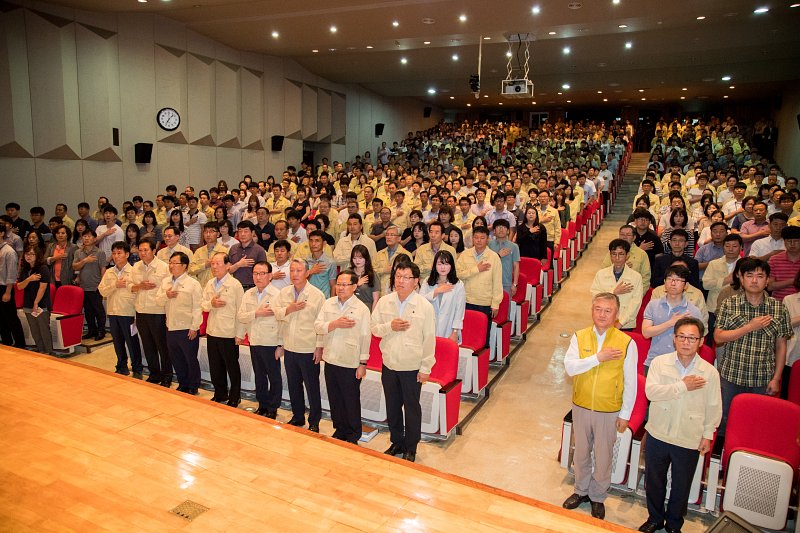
column 202, row 351
column 520, row 307
column 500, row 332
column 708, row 354
column 642, row 347
column 640, row 315
column 373, row 402
column 572, row 233
column 580, row 231
column 440, row 397
column 534, row 291
column 563, row 256
column 794, row 384
column 759, row 460
column 473, row 354
column 548, row 276
column 66, row 318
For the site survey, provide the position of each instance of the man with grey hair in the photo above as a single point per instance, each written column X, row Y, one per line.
column 603, row 361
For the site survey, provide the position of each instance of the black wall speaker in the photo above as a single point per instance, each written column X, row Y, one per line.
column 427, row 112
column 378, row 129
column 115, row 136
column 277, row 143
column 143, row 152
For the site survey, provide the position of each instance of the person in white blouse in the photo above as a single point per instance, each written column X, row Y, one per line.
column 344, row 324
column 446, row 293
column 262, row 328
column 792, row 303
column 181, row 294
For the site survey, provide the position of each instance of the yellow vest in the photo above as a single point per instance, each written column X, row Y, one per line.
column 600, row 389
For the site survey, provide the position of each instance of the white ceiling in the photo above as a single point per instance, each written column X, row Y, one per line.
column 670, row 48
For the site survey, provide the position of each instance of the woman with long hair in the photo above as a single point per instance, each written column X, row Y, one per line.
column 253, row 203
column 35, row 238
column 301, row 203
column 150, row 227
column 419, row 236
column 59, row 256
column 132, row 236
column 456, row 240
column 678, row 219
column 446, row 293
column 226, row 233
column 34, row 281
column 531, row 235
column 80, row 226
column 176, row 220
column 369, row 288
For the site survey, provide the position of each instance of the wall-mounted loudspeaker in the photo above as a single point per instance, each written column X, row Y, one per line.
column 143, row 152
column 277, row 143
column 378, row 129
column 115, row 136
column 427, row 112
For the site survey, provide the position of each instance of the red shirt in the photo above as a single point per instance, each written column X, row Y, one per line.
column 781, row 269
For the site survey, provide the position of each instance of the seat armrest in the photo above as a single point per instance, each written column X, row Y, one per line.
column 450, row 386
column 65, row 317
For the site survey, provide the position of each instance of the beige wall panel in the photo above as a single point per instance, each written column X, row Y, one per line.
column 16, row 127
column 339, row 117
column 105, row 21
column 229, row 163
column 200, row 44
column 366, row 128
column 59, row 181
column 138, row 101
column 228, row 109
column 309, row 112
column 173, row 165
column 101, row 178
column 203, row 167
column 292, row 109
column 253, row 163
column 323, row 115
column 98, row 75
column 169, row 32
column 171, row 85
column 252, row 108
column 274, row 116
column 227, row 54
column 292, row 154
column 200, row 119
column 54, row 87
column 252, row 61
column 19, row 183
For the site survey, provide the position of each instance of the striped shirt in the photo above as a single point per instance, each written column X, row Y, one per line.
column 782, row 268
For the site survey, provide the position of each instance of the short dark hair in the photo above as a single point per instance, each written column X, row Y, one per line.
column 501, row 223
column 778, row 216
column 480, row 229
column 245, row 224
column 690, row 321
column 282, row 243
column 750, row 264
column 733, row 237
column 174, row 229
column 108, row 208
column 13, row 205
column 37, row 210
column 679, row 232
column 619, row 243
column 678, row 270
column 715, row 224
column 352, row 275
column 85, row 205
column 150, row 241
column 269, row 267
column 121, row 245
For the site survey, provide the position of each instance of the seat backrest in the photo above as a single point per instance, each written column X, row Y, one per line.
column 642, row 346
column 69, row 300
column 640, row 314
column 53, row 291
column 502, row 312
column 445, row 369
column 707, row 354
column 571, row 229
column 473, row 336
column 19, row 296
column 763, row 424
column 546, row 264
column 375, row 356
column 522, row 289
column 532, row 268
column 203, row 324
column 564, row 242
column 794, row 384
column 639, row 405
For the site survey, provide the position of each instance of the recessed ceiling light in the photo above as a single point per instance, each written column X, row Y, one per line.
column 462, row 18
column 644, row 98
column 622, row 26
column 599, row 92
column 760, row 10
column 565, row 86
column 142, row 1
column 683, row 98
column 567, row 50
column 455, row 57
column 605, row 99
column 732, row 87
column 684, row 89
column 615, row 2
column 452, row 98
column 486, row 96
column 501, row 103
column 426, row 42
column 725, row 96
column 369, row 47
column 628, row 45
column 551, row 33
column 569, row 101
column 431, row 91
column 403, row 60
column 315, row 51
column 487, row 38
column 536, row 10
column 641, row 90
column 508, row 54
column 534, row 103
column 395, row 23
column 701, row 17
column 333, row 29
column 560, row 93
column 469, row 105
column 795, row 5
column 331, row 49
column 275, row 35
column 726, row 78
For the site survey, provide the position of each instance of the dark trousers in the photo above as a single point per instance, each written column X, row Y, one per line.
column 344, row 395
column 223, row 363
column 11, row 331
column 183, row 354
column 486, row 310
column 402, row 391
column 729, row 391
column 153, row 329
column 267, row 371
column 712, row 322
column 787, row 373
column 94, row 312
column 121, row 333
column 300, row 371
column 658, row 456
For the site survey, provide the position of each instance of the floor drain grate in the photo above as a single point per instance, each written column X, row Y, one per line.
column 189, row 510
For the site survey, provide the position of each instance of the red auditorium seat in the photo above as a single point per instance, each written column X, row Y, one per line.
column 794, row 384
column 562, row 257
column 66, row 319
column 373, row 403
column 642, row 346
column 572, row 235
column 500, row 333
column 640, row 315
column 473, row 365
column 520, row 307
column 708, row 354
column 441, row 394
column 548, row 276
column 534, row 291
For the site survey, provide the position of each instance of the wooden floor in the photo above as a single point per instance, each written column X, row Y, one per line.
column 83, row 449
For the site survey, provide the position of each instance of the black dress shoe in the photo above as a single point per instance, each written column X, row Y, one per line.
column 410, row 456
column 153, row 379
column 574, row 501
column 88, row 336
column 650, row 527
column 233, row 403
column 313, row 427
column 598, row 510
column 395, row 449
column 191, row 391
column 271, row 414
column 137, row 375
column 261, row 412
column 672, row 530
column 166, row 383
column 180, row 389
column 297, row 423
column 219, row 400
column 100, row 336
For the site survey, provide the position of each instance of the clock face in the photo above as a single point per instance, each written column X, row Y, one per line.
column 168, row 119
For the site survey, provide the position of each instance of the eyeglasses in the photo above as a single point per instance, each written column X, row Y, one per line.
column 685, row 338
column 260, row 273
column 675, row 280
column 404, row 278
column 175, row 264
column 343, row 285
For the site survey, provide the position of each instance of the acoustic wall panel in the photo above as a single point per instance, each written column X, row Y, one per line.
column 171, row 89
column 292, row 109
column 54, row 86
column 253, row 164
column 98, row 76
column 102, row 178
column 16, row 128
column 169, row 33
column 173, row 164
column 19, row 182
column 228, row 109
column 309, row 112
column 229, row 163
column 60, row 181
column 203, row 167
column 338, row 118
column 252, row 108
column 323, row 116
column 201, row 117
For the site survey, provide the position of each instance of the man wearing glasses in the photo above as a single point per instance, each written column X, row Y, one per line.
column 685, row 410
column 661, row 314
column 406, row 325
column 344, row 324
